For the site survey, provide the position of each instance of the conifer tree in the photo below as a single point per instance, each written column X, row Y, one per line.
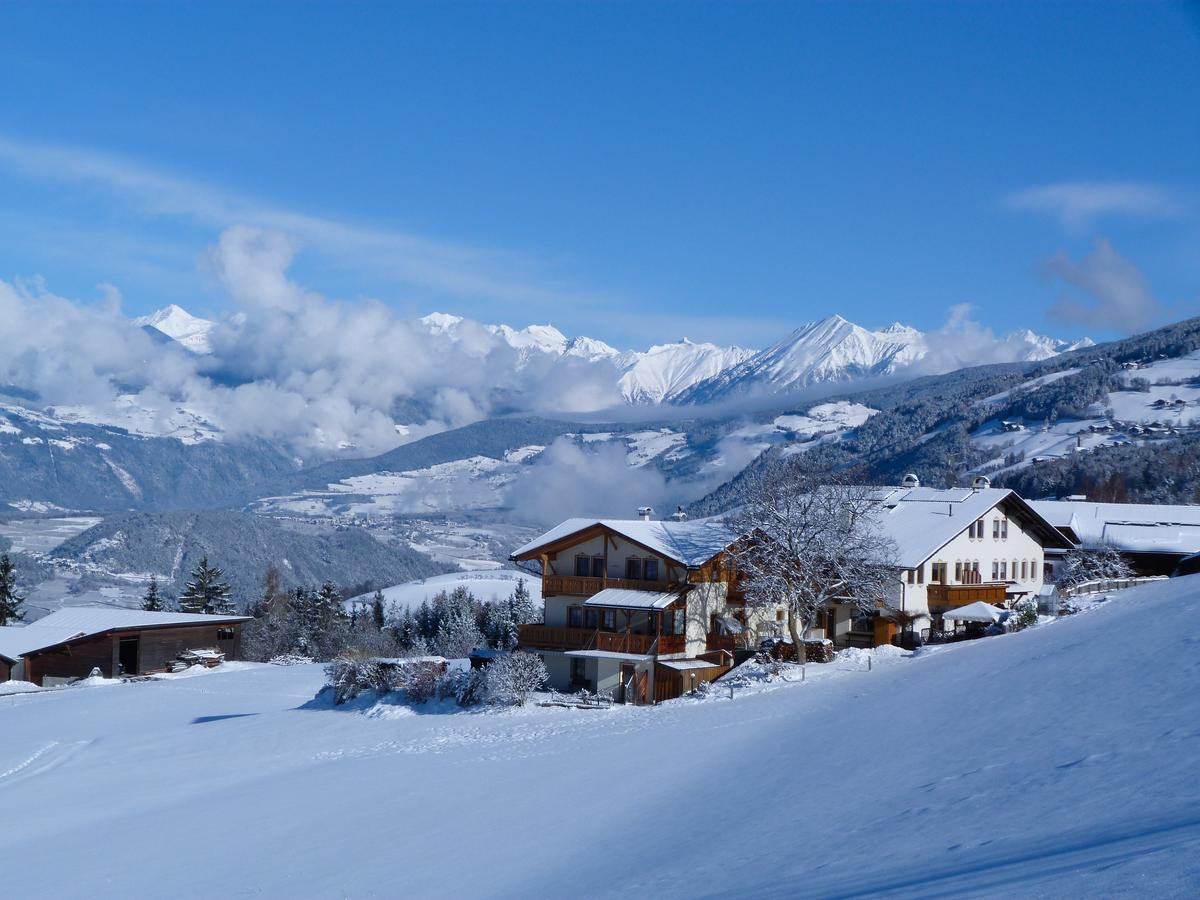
column 151, row 601
column 378, row 614
column 206, row 592
column 10, row 601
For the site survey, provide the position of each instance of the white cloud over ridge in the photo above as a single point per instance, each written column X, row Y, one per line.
column 289, row 365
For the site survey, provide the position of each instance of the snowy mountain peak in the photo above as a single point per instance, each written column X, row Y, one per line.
column 545, row 338
column 177, row 323
column 441, row 323
column 665, row 371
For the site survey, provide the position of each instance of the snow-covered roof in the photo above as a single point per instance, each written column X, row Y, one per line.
column 620, row 598
column 691, row 542
column 920, row 521
column 1131, row 527
column 17, row 640
column 974, row 612
column 683, row 665
column 93, row 620
column 605, row 654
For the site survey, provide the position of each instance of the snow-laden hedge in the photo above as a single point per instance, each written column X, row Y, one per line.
column 507, row 681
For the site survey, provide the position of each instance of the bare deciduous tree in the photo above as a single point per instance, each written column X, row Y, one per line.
column 810, row 539
column 1080, row 565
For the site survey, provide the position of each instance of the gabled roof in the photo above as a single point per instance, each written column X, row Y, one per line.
column 690, row 543
column 17, row 641
column 920, row 521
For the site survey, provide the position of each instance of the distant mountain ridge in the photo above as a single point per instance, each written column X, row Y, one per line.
column 836, row 350
column 832, row 349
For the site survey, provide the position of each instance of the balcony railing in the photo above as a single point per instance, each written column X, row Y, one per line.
column 551, row 637
column 579, row 586
column 953, row 595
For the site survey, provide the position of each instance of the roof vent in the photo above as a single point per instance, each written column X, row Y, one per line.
column 645, row 512
column 911, row 481
column 981, row 483
column 679, row 515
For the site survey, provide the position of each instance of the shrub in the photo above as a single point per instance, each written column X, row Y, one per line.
column 512, row 678
column 466, row 688
column 420, row 680
column 351, row 674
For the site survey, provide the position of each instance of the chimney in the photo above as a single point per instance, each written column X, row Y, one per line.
column 911, row 481
column 645, row 512
column 981, row 483
column 679, row 515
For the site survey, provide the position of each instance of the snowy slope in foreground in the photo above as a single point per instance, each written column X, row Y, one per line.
column 1055, row 762
column 495, row 584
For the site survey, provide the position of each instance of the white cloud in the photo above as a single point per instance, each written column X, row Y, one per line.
column 1078, row 204
column 568, row 480
column 289, row 365
column 441, row 266
column 1110, row 292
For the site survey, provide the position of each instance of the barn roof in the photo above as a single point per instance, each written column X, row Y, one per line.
column 1130, row 527
column 93, row 620
column 58, row 627
column 17, row 640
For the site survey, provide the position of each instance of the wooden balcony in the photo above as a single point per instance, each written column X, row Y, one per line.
column 730, row 642
column 578, row 586
column 954, row 595
column 550, row 637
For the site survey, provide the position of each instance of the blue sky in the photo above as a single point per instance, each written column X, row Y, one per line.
column 635, row 172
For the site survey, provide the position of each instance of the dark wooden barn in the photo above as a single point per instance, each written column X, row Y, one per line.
column 72, row 643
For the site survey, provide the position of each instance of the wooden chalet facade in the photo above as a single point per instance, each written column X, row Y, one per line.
column 70, row 644
column 639, row 609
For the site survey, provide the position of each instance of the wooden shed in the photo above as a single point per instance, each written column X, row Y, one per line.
column 71, row 643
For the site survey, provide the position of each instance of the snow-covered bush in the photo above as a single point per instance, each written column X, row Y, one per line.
column 466, row 688
column 1024, row 614
column 351, row 674
column 290, row 659
column 512, row 678
column 420, row 679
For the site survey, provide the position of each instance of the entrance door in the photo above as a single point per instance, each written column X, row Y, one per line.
column 628, row 692
column 127, row 656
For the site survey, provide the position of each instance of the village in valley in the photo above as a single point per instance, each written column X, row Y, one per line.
column 590, row 450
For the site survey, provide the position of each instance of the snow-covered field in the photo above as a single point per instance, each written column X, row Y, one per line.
column 1055, row 762
column 492, row 584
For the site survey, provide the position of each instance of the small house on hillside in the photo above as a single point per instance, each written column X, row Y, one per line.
column 70, row 643
column 956, row 546
column 638, row 608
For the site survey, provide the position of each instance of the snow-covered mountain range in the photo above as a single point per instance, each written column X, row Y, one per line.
column 685, row 372
column 836, row 350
